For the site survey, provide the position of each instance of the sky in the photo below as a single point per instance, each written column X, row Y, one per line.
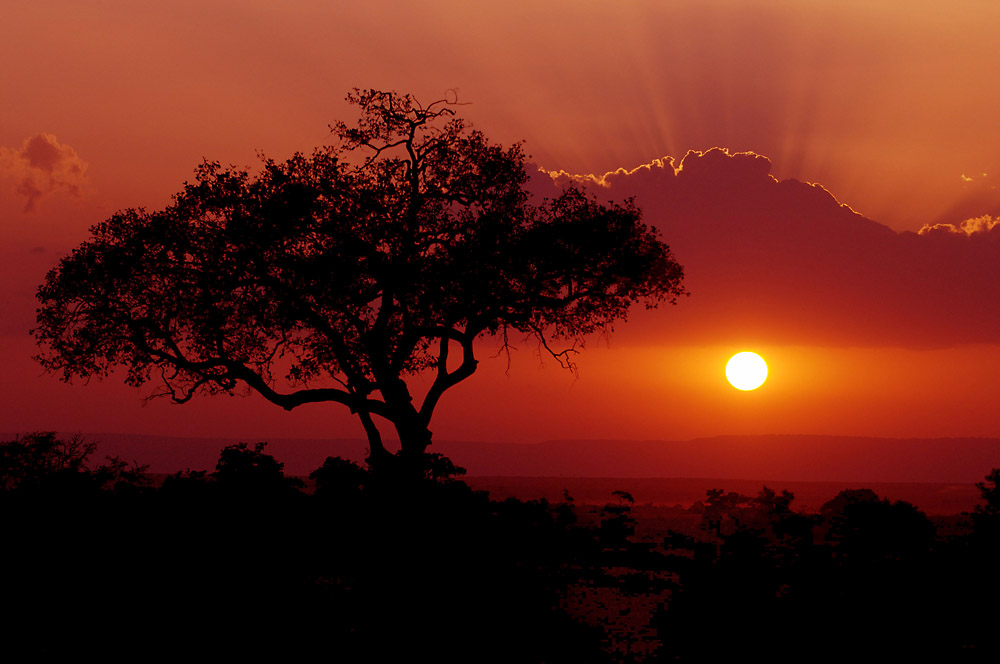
column 825, row 172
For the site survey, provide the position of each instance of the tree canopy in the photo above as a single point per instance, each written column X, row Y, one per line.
column 335, row 276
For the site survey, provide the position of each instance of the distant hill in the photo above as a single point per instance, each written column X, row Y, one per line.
column 786, row 457
column 771, row 457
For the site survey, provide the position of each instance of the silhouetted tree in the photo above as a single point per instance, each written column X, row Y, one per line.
column 346, row 271
column 44, row 462
column 251, row 470
column 863, row 527
column 439, row 468
column 35, row 457
column 339, row 479
column 771, row 513
column 722, row 511
column 617, row 523
column 975, row 574
column 986, row 516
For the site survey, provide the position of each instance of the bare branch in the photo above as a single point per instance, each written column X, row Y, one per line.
column 560, row 356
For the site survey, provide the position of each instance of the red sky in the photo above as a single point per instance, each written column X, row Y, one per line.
column 868, row 327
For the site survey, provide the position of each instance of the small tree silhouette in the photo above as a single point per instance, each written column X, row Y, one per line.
column 252, row 471
column 339, row 479
column 37, row 457
column 862, row 526
column 986, row 516
column 45, row 463
column 617, row 523
column 989, row 491
column 336, row 276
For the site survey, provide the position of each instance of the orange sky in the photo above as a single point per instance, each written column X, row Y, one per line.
column 890, row 106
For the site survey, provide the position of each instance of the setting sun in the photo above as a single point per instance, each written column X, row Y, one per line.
column 746, row 371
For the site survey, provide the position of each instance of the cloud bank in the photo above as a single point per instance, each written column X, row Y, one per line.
column 771, row 261
column 42, row 166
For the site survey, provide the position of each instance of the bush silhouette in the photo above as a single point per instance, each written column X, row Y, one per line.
column 243, row 562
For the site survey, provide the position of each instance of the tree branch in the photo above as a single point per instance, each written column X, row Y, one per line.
column 233, row 370
column 561, row 356
column 445, row 380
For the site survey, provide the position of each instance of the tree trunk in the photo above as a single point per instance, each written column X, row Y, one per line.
column 378, row 456
column 408, row 465
column 414, row 438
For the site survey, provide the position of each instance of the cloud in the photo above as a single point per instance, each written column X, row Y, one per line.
column 771, row 261
column 977, row 227
column 563, row 177
column 41, row 166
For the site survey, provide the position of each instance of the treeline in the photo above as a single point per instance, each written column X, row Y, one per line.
column 242, row 562
column 247, row 562
column 864, row 580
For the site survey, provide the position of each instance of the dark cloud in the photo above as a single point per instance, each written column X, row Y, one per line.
column 771, row 261
column 42, row 165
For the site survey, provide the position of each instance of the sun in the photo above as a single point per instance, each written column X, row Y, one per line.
column 746, row 371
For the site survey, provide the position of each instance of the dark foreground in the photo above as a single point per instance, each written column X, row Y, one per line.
column 245, row 562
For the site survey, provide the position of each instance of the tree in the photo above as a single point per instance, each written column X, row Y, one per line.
column 989, row 491
column 617, row 523
column 864, row 528
column 46, row 464
column 986, row 516
column 337, row 276
column 247, row 470
column 36, row 458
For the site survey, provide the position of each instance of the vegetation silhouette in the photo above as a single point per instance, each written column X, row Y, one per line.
column 986, row 517
column 43, row 463
column 102, row 559
column 336, row 276
column 243, row 562
column 865, row 580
